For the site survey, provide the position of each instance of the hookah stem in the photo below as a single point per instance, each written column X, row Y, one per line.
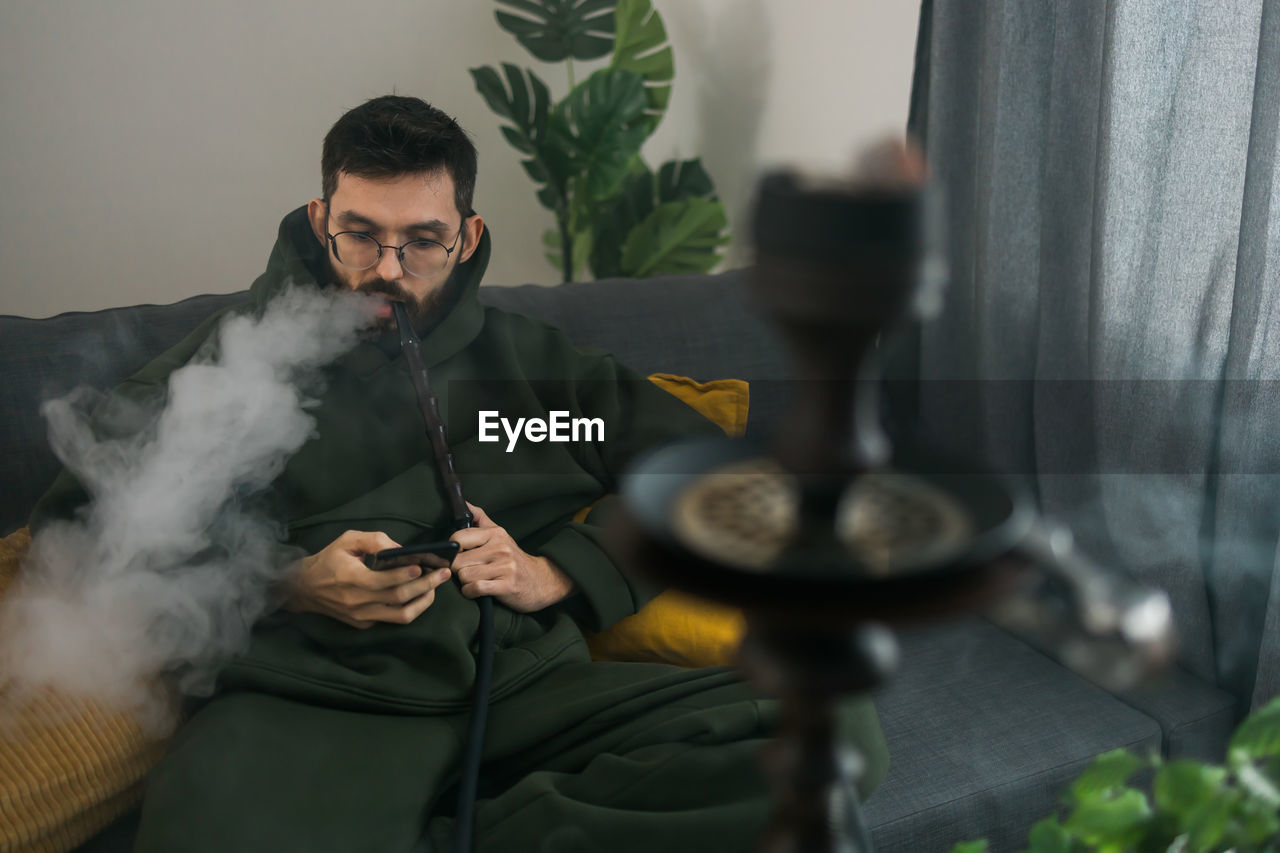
column 462, row 519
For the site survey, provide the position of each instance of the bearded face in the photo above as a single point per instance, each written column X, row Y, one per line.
column 399, row 238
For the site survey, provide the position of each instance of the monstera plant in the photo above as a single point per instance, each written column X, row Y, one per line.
column 614, row 215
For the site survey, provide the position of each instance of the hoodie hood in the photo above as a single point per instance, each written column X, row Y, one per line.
column 299, row 258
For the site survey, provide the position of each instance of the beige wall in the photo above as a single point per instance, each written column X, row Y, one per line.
column 148, row 148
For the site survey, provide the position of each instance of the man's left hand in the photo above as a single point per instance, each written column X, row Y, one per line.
column 491, row 563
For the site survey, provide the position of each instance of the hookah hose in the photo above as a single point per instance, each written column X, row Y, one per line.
column 462, row 519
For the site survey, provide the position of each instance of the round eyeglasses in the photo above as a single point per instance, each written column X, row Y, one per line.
column 357, row 250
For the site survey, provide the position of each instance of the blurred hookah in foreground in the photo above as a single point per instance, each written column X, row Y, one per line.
column 825, row 535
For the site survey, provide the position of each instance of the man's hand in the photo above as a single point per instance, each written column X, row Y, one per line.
column 336, row 583
column 491, row 563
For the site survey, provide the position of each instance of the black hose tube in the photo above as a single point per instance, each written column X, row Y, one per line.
column 466, row 815
column 463, row 519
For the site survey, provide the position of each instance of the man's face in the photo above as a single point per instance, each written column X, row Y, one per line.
column 394, row 211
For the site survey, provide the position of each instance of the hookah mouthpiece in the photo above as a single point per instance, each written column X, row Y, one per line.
column 430, row 409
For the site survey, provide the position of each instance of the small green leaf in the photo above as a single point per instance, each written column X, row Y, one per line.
column 677, row 237
column 1116, row 820
column 641, row 46
column 1182, row 784
column 1109, row 770
column 556, row 30
column 971, row 847
column 1259, row 735
column 1259, row 821
column 1048, row 836
column 1258, row 786
column 551, row 248
column 1207, row 821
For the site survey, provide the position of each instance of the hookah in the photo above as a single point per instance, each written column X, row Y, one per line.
column 828, row 534
column 462, row 519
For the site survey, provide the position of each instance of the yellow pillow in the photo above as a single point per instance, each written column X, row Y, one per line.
column 68, row 766
column 677, row 627
column 722, row 401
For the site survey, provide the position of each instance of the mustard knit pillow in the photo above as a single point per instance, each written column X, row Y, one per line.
column 677, row 627
column 68, row 766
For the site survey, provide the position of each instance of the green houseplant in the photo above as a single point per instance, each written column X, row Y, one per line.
column 1193, row 807
column 613, row 214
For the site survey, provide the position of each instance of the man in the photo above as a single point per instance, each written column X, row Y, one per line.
column 342, row 727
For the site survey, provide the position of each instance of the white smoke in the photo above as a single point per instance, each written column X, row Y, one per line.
column 168, row 566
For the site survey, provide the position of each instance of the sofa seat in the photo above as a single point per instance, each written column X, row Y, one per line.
column 985, row 732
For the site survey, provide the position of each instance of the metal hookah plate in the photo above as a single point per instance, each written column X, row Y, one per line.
column 746, row 512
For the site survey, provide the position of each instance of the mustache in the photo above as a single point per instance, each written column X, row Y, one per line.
column 388, row 288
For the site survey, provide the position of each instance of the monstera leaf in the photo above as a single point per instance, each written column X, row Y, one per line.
column 602, row 122
column 612, row 213
column 677, row 237
column 639, row 194
column 613, row 220
column 641, row 46
column 526, row 102
column 681, row 179
column 556, row 30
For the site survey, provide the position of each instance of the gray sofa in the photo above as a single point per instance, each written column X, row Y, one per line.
column 984, row 730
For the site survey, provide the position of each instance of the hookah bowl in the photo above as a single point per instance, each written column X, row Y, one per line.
column 821, row 537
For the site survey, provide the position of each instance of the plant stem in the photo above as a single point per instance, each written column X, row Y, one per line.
column 569, row 62
column 566, row 247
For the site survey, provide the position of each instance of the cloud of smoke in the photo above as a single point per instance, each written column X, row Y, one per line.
column 168, row 566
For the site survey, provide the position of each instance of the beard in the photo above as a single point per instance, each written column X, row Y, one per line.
column 423, row 313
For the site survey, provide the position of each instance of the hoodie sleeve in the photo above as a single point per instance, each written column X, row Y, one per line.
column 638, row 416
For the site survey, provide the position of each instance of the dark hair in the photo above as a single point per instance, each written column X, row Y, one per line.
column 396, row 135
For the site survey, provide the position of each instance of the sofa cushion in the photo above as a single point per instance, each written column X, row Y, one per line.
column 1196, row 718
column 984, row 733
column 47, row 358
column 702, row 326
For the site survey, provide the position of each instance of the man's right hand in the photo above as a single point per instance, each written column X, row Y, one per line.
column 335, row 582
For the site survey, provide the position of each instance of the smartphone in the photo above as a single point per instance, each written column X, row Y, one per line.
column 432, row 555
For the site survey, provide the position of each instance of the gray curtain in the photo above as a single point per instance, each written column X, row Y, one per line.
column 1112, row 327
